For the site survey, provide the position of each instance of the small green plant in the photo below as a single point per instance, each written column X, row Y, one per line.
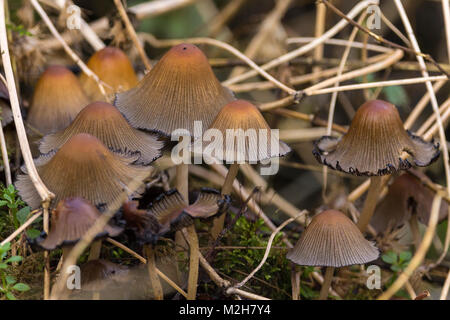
column 9, row 284
column 17, row 213
column 398, row 263
column 20, row 29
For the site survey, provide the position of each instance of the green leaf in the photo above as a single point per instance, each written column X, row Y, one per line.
column 23, row 214
column 21, row 287
column 10, row 280
column 3, row 203
column 3, row 266
column 11, row 188
column 396, row 268
column 5, row 248
column 389, row 257
column 14, row 259
column 405, row 256
column 10, row 296
column 33, row 233
column 8, row 197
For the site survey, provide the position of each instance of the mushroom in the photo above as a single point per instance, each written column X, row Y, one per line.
column 373, row 146
column 113, row 67
column 57, row 99
column 240, row 125
column 70, row 221
column 407, row 199
column 105, row 122
column 332, row 240
column 179, row 90
column 83, row 167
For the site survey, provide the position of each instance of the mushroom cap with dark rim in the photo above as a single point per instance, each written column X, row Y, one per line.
column 105, row 122
column 248, row 125
column 57, row 99
column 374, row 144
column 179, row 90
column 170, row 212
column 406, row 196
column 83, row 167
column 70, row 221
column 113, row 67
column 332, row 240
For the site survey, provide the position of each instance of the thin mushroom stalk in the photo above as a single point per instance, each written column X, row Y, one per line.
column 376, row 186
column 328, row 278
column 226, row 190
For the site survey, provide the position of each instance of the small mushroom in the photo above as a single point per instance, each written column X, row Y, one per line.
column 179, row 90
column 70, row 221
column 105, row 122
column 240, row 125
column 113, row 67
column 373, row 146
column 332, row 240
column 57, row 99
column 83, row 167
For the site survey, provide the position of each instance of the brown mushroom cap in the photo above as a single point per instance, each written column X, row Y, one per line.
column 169, row 212
column 114, row 68
column 57, row 99
column 70, row 221
column 179, row 90
column 105, row 122
column 247, row 123
column 83, row 167
column 332, row 240
column 406, row 196
column 374, row 143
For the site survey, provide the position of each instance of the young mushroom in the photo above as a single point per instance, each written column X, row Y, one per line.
column 83, row 167
column 243, row 137
column 112, row 67
column 374, row 146
column 105, row 122
column 57, row 99
column 332, row 240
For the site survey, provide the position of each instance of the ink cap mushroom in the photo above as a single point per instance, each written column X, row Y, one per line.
column 332, row 240
column 84, row 167
column 104, row 121
column 374, row 146
column 113, row 68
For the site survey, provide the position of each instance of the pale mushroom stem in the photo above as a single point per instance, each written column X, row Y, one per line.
column 94, row 251
column 182, row 180
column 414, row 225
column 158, row 293
column 226, row 189
column 376, row 184
column 326, row 283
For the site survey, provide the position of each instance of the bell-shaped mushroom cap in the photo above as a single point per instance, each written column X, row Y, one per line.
column 113, row 67
column 97, row 275
column 244, row 135
column 407, row 195
column 105, row 122
column 83, row 167
column 332, row 240
column 179, row 90
column 71, row 219
column 374, row 143
column 57, row 99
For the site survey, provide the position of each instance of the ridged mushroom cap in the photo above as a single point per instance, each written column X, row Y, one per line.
column 83, row 167
column 70, row 221
column 406, row 196
column 179, row 90
column 105, row 122
column 57, row 99
column 374, row 144
column 332, row 240
column 244, row 135
column 113, row 67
